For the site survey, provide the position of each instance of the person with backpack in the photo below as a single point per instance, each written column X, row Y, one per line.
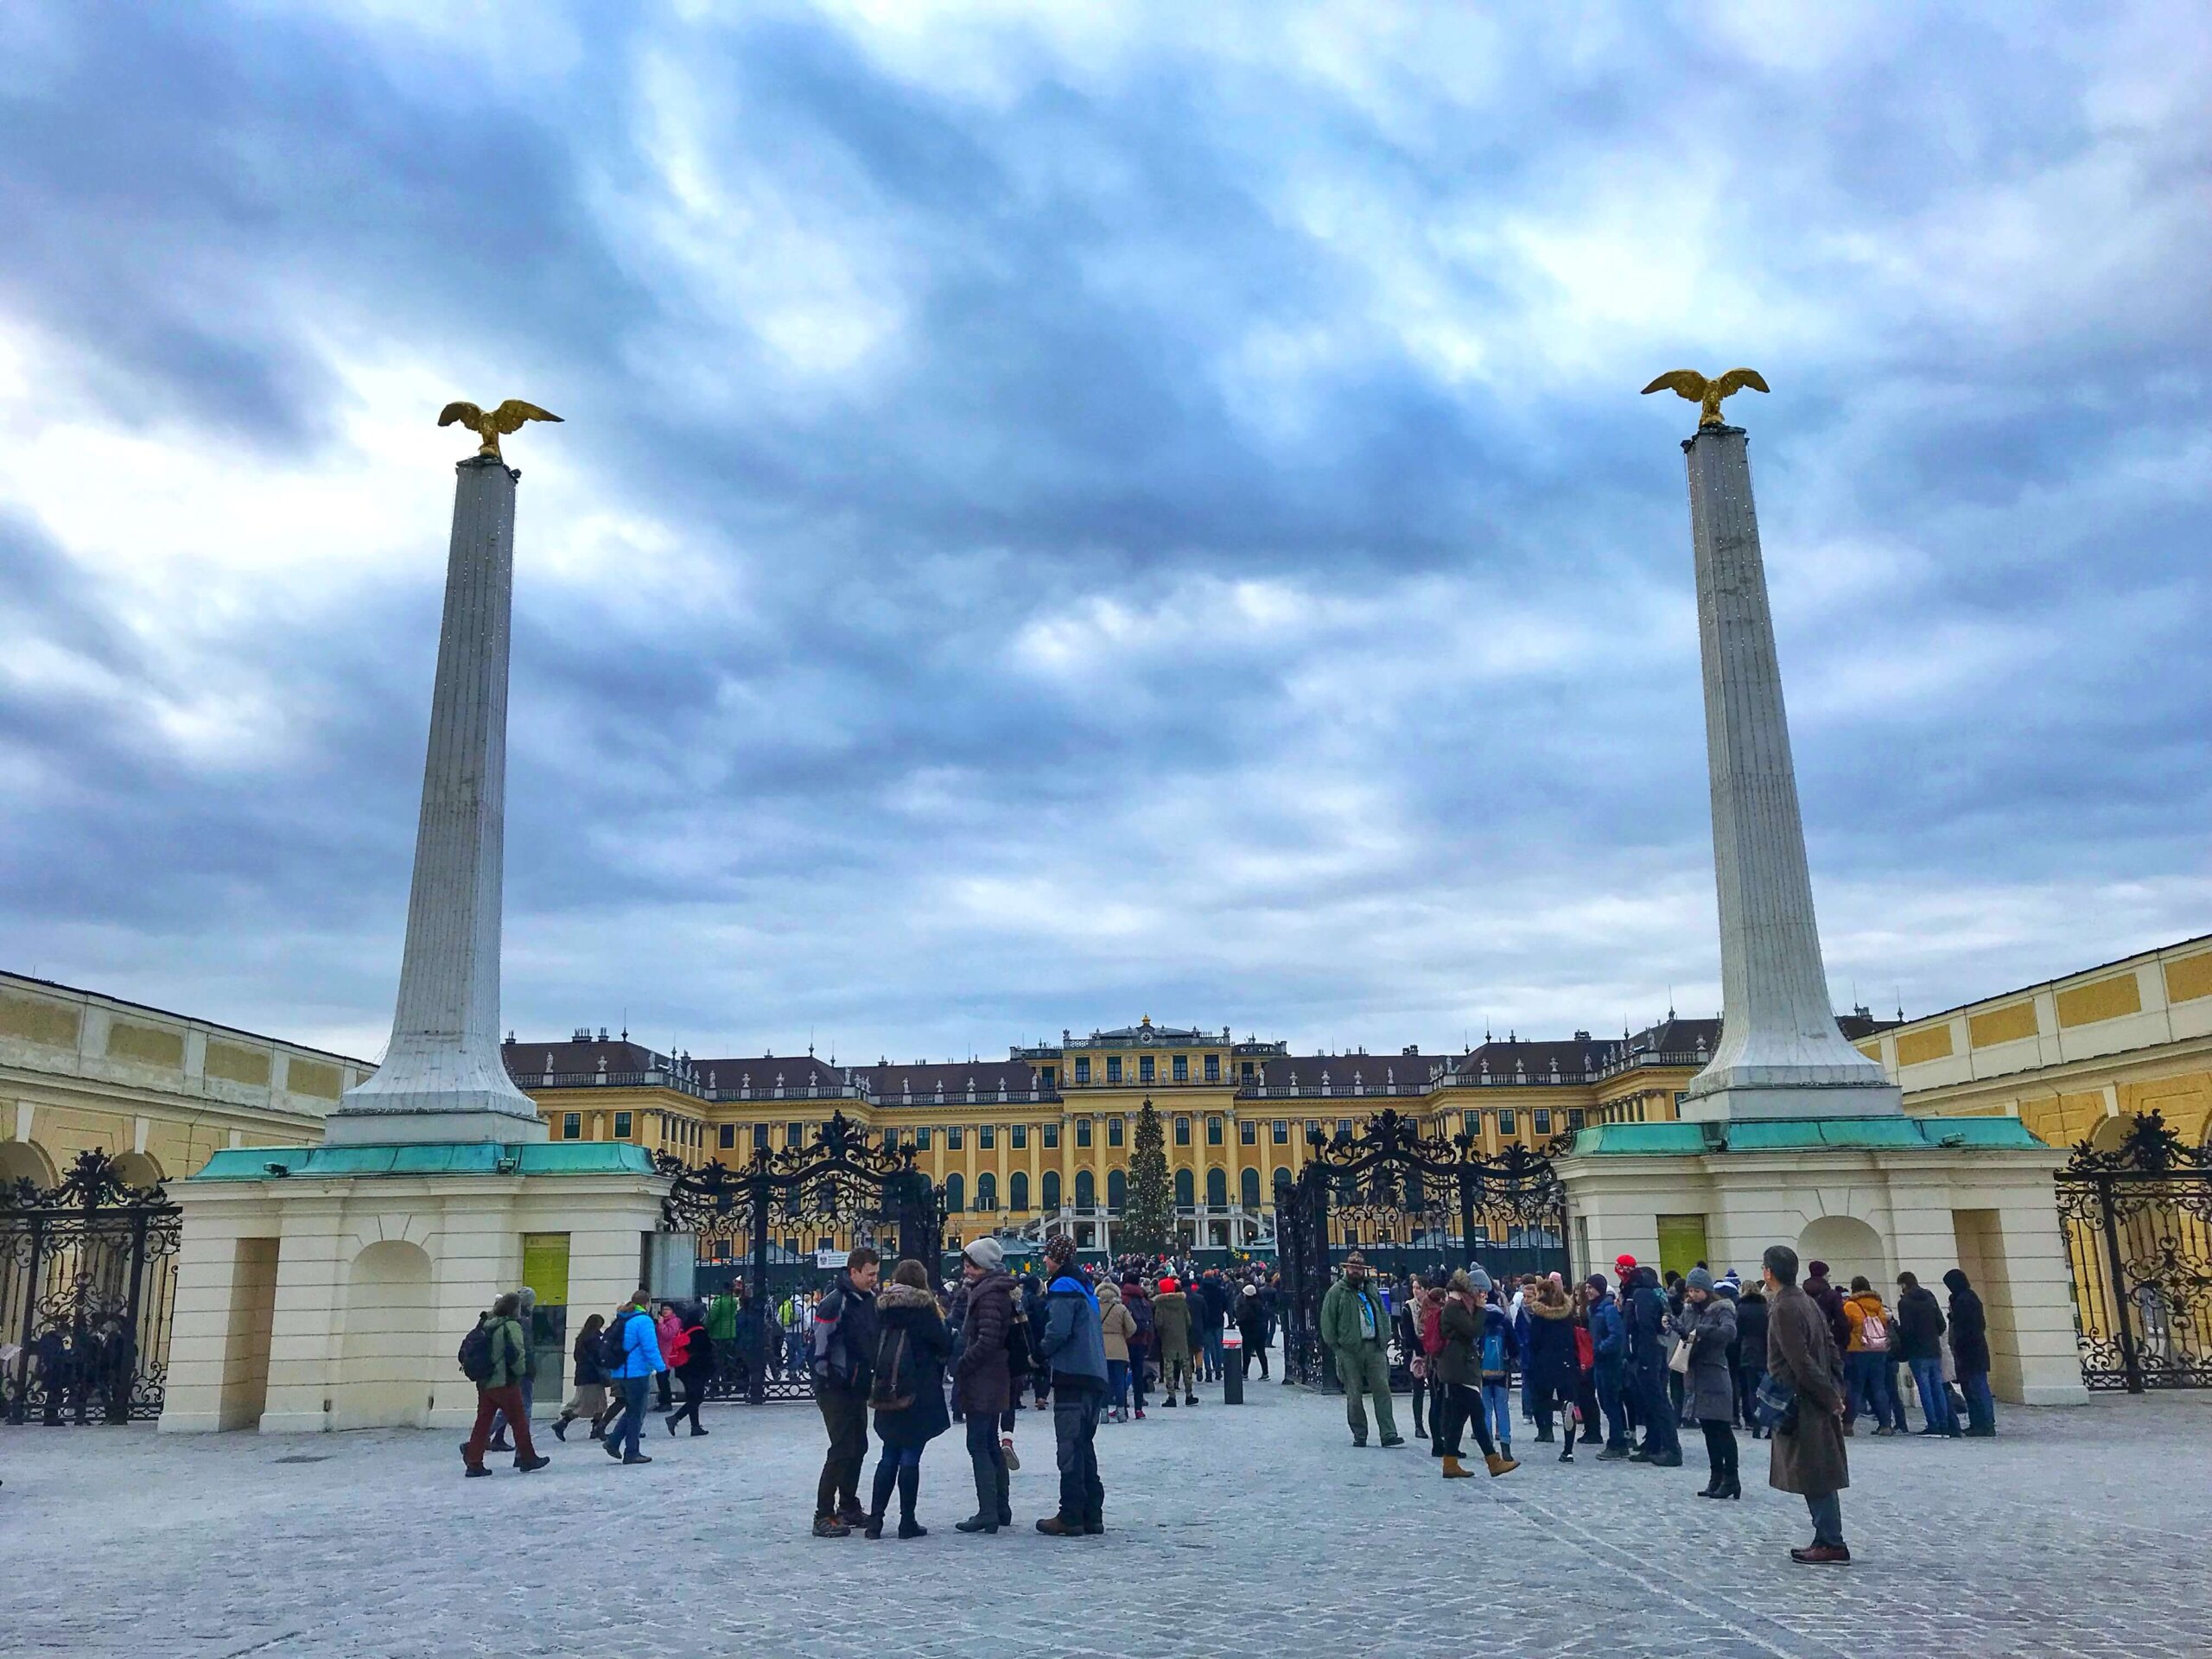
column 1072, row 1345
column 1969, row 1354
column 1115, row 1326
column 841, row 1355
column 589, row 1397
column 668, row 1326
column 693, row 1361
column 1495, row 1352
column 1866, row 1361
column 907, row 1392
column 1608, row 1365
column 1459, row 1323
column 492, row 1356
column 630, row 1350
column 525, row 1309
column 981, row 1385
column 1648, row 1322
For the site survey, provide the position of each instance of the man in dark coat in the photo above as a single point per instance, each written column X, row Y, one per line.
column 842, row 1347
column 1750, row 1347
column 1970, row 1354
column 1808, row 1456
column 1919, row 1344
column 1829, row 1300
column 982, row 1387
column 1646, row 1317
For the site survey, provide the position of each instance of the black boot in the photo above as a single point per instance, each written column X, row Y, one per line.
column 887, row 1474
column 909, row 1488
column 1006, row 1498
column 986, row 1518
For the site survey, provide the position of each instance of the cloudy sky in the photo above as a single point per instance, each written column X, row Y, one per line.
column 1069, row 512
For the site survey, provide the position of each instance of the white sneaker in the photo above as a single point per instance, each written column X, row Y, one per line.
column 1012, row 1457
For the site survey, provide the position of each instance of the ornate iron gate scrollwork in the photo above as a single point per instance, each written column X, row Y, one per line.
column 88, row 1283
column 842, row 1186
column 1410, row 1203
column 2138, row 1225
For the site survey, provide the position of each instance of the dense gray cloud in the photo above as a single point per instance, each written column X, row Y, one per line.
column 1072, row 512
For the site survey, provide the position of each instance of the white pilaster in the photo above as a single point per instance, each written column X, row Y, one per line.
column 1779, row 1054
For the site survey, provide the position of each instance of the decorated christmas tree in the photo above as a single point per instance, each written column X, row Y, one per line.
column 1149, row 1217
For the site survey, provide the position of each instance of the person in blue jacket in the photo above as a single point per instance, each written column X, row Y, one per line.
column 1072, row 1345
column 641, row 1363
column 1609, row 1347
column 1647, row 1329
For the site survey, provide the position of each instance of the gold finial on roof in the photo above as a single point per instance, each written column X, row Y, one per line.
column 507, row 417
column 1706, row 394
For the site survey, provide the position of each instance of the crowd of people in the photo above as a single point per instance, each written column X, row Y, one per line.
column 1619, row 1363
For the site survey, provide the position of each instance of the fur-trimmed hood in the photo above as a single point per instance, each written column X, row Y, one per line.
column 895, row 1295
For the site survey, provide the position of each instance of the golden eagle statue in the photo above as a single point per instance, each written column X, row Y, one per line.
column 507, row 417
column 1706, row 394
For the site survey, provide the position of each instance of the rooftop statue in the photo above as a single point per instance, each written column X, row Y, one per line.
column 1706, row 394
column 507, row 417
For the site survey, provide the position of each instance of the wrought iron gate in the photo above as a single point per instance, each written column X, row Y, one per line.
column 88, row 1282
column 1410, row 1203
column 2138, row 1222
column 773, row 1215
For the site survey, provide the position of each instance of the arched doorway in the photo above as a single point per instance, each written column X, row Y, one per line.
column 1849, row 1246
column 23, row 1160
column 385, row 1355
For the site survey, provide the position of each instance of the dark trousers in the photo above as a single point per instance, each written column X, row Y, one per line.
column 1720, row 1449
column 694, row 1390
column 988, row 1460
column 1747, row 1395
column 1075, row 1433
column 1462, row 1410
column 1136, row 1376
column 1586, row 1398
column 1656, row 1410
column 1613, row 1399
column 1420, row 1393
column 844, row 1413
column 490, row 1402
column 1255, row 1350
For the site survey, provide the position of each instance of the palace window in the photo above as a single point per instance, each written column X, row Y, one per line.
column 1017, row 1191
column 1505, row 1119
column 954, row 1134
column 1249, row 1181
column 1113, row 1132
column 1118, row 1190
column 891, row 1139
column 725, row 1136
column 1113, row 1068
column 1470, row 1124
column 1213, row 1068
column 1185, row 1189
column 1575, row 1117
column 1344, row 1126
column 1086, row 1190
column 986, row 1137
column 1144, row 1067
column 1281, row 1132
column 1049, row 1078
column 1248, row 1131
column 1052, row 1188
column 794, row 1134
column 954, row 1192
column 1083, row 1131
column 1020, row 1133
column 1052, row 1135
column 922, row 1139
column 1182, row 1131
column 572, row 1126
column 1217, row 1189
column 760, row 1137
column 1182, row 1068
column 1244, row 1072
column 623, row 1121
column 1082, row 1070
column 1213, row 1131
column 986, row 1191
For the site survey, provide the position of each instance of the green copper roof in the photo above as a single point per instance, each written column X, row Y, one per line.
column 1801, row 1134
column 436, row 1158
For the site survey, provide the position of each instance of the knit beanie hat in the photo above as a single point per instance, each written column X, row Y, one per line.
column 1596, row 1282
column 1700, row 1279
column 1623, row 1263
column 1059, row 1250
column 1477, row 1281
column 986, row 1252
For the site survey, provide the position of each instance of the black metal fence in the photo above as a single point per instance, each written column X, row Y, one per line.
column 87, row 1286
column 1408, row 1203
column 773, row 1217
column 2138, row 1225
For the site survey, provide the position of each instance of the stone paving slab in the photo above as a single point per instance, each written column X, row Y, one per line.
column 1251, row 1529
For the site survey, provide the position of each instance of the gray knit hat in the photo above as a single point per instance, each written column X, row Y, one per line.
column 1478, row 1279
column 987, row 1253
column 1701, row 1279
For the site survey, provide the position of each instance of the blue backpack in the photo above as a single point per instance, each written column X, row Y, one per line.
column 1493, row 1348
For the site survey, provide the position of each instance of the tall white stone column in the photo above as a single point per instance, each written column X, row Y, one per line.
column 1781, row 1053
column 442, row 1078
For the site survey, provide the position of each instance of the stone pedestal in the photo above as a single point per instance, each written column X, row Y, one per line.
column 442, row 1078
column 334, row 1295
column 1780, row 1053
column 1871, row 1196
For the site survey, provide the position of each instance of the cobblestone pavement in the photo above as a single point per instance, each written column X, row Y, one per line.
column 1251, row 1529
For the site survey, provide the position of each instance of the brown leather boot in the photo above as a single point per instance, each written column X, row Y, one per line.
column 1500, row 1466
column 1453, row 1470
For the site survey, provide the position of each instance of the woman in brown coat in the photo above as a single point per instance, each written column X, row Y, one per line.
column 1808, row 1456
column 981, row 1386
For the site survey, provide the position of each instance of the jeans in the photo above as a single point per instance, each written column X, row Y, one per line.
column 1497, row 1406
column 1117, row 1383
column 1612, row 1382
column 1461, row 1408
column 1657, row 1411
column 1867, row 1378
column 1075, row 1436
column 1137, row 1365
column 624, row 1436
column 1212, row 1343
column 1935, row 1402
column 489, row 1403
column 1366, row 1369
column 844, row 1413
column 1827, row 1518
column 1747, row 1393
column 1982, row 1404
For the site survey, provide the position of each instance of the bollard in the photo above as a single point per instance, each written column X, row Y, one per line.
column 1232, row 1367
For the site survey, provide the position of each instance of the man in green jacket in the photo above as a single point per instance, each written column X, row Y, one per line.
column 501, row 1391
column 1356, row 1328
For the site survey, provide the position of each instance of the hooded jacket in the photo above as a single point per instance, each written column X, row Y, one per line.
column 1645, row 1314
column 1550, row 1346
column 1608, row 1334
column 1919, row 1332
column 1969, row 1324
column 1070, row 1341
column 1751, row 1328
column 640, row 1345
column 1457, row 1361
column 1171, row 1322
column 1858, row 1308
column 1117, row 1325
column 903, row 1310
column 981, row 1386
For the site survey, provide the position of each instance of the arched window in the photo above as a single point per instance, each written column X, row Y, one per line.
column 1086, row 1190
column 1185, row 1196
column 1217, row 1189
column 1250, row 1183
column 1118, row 1190
column 1017, row 1191
column 954, row 1193
column 986, row 1191
column 1052, row 1188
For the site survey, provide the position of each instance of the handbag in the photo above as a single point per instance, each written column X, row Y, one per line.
column 1679, row 1361
column 1775, row 1402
